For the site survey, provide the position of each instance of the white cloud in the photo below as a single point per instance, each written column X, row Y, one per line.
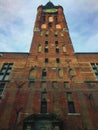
column 91, row 44
column 17, row 20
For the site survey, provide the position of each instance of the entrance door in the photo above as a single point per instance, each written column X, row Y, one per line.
column 43, row 125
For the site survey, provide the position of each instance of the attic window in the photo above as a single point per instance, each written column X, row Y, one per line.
column 50, row 19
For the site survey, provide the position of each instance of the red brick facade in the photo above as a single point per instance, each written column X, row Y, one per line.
column 50, row 83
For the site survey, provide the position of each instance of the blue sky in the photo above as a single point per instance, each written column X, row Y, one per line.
column 17, row 21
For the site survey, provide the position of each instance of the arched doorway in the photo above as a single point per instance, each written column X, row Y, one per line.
column 46, row 121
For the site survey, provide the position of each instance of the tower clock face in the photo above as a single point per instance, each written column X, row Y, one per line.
column 50, row 10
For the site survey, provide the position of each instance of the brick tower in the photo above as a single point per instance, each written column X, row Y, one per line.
column 51, row 87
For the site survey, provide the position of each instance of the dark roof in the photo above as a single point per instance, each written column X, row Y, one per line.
column 49, row 5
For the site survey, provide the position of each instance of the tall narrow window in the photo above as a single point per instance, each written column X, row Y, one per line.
column 44, row 102
column 44, row 95
column 95, row 69
column 57, row 60
column 46, row 47
column 56, row 43
column 5, row 71
column 57, row 49
column 64, row 49
column 43, row 107
column 39, row 48
column 2, row 86
column 46, row 60
column 71, row 107
column 44, row 74
column 70, row 102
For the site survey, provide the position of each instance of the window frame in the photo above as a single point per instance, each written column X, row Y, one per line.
column 46, row 60
column 57, row 60
column 2, row 88
column 5, row 71
column 94, row 67
column 71, row 107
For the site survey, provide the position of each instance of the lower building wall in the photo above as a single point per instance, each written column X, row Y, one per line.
column 19, row 103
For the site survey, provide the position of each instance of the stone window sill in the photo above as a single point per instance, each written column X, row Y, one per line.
column 73, row 114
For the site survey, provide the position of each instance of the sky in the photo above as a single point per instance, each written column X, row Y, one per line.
column 17, row 19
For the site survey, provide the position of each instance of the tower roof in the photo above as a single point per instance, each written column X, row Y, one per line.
column 49, row 5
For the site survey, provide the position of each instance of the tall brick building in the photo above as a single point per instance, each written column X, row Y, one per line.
column 51, row 87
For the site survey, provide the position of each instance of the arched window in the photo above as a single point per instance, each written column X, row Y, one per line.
column 32, row 73
column 60, row 73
